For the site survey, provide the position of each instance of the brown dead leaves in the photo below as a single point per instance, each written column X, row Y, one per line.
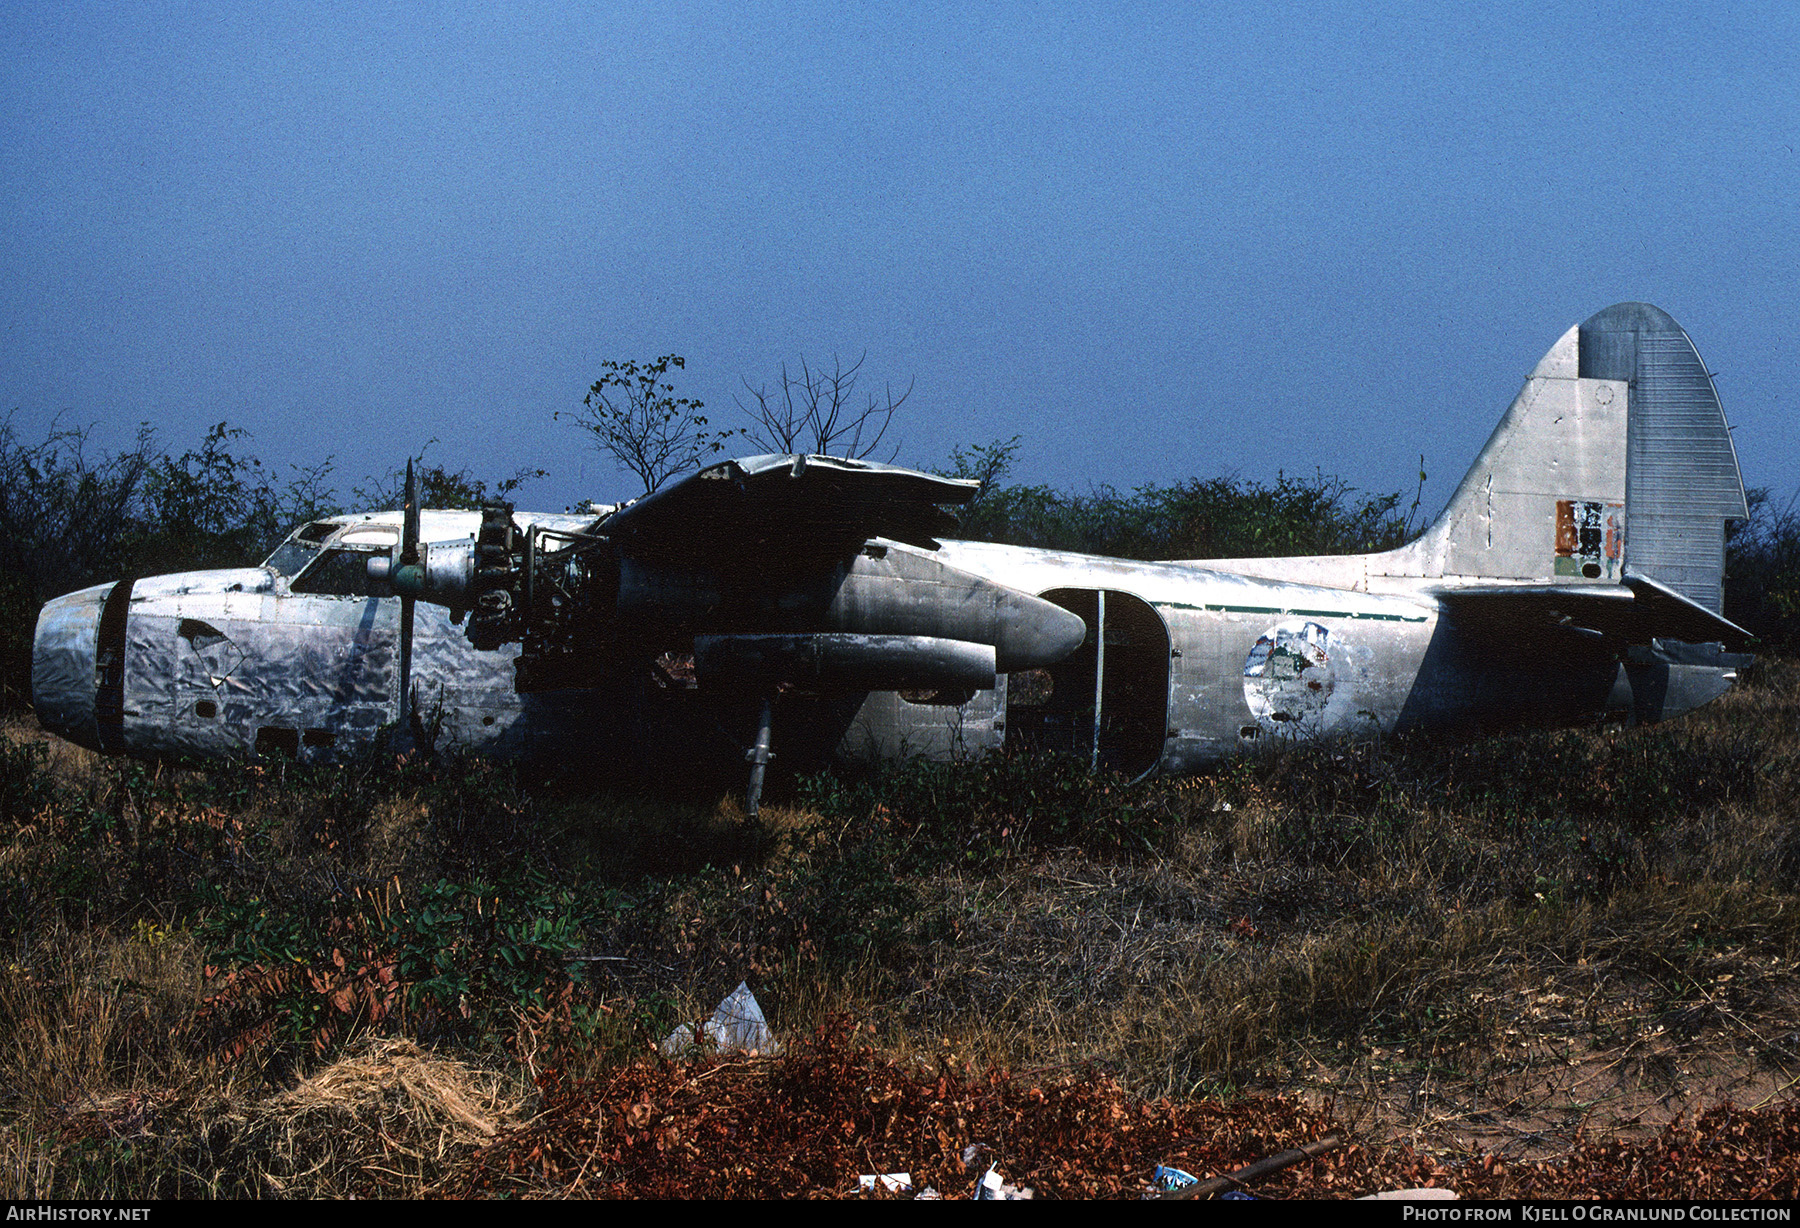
column 807, row 1124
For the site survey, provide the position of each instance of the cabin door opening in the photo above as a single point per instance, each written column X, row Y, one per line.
column 1120, row 673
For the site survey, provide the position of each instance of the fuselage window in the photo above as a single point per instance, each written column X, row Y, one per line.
column 369, row 536
column 340, row 573
column 291, row 557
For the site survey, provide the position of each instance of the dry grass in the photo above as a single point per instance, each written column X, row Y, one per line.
column 387, row 1119
column 92, row 1025
column 91, row 1010
column 1430, row 1007
column 1452, row 971
column 71, row 764
column 402, row 1117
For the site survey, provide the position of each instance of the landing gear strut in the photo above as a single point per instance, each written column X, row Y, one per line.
column 758, row 756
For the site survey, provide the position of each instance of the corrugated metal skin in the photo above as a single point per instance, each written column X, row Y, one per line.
column 1681, row 472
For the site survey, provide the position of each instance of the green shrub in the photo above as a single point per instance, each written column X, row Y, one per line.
column 1201, row 518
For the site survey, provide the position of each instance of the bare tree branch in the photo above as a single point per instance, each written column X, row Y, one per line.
column 820, row 412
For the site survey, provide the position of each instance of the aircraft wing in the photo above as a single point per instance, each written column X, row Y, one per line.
column 1635, row 612
column 791, row 506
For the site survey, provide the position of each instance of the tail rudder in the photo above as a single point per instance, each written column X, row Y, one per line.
column 1682, row 481
column 1614, row 457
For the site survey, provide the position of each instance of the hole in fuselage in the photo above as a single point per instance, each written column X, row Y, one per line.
column 206, row 708
column 949, row 697
column 273, row 740
column 1054, row 709
column 318, row 737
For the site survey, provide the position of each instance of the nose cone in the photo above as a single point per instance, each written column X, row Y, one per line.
column 1034, row 633
column 62, row 665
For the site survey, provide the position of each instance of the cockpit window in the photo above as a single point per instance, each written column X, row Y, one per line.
column 340, row 573
column 292, row 556
column 298, row 552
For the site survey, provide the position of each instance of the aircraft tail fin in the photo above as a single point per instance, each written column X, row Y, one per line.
column 1614, row 460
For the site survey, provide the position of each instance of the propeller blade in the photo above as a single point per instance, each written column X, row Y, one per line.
column 409, row 527
column 409, row 557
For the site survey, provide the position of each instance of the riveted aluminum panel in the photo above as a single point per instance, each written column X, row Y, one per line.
column 62, row 665
column 1682, row 477
column 888, row 727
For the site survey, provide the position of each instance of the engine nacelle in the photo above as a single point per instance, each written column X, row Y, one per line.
column 444, row 574
column 844, row 662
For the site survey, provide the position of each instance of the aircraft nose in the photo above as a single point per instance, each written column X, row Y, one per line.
column 1034, row 633
column 62, row 665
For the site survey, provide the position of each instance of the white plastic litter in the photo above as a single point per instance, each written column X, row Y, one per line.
column 737, row 1026
column 893, row 1183
column 994, row 1187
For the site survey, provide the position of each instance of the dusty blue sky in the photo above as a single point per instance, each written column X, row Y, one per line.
column 1155, row 242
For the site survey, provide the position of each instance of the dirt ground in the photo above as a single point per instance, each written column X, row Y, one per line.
column 1584, row 1061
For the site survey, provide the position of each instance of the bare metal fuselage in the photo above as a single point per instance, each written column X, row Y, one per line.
column 1575, row 574
column 1182, row 665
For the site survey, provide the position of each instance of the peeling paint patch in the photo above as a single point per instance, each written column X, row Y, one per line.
column 1590, row 538
column 1288, row 675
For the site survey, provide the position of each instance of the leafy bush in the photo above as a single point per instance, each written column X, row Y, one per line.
column 27, row 790
column 1762, row 572
column 1215, row 518
column 447, row 960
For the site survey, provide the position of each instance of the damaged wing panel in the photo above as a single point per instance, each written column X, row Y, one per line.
column 773, row 505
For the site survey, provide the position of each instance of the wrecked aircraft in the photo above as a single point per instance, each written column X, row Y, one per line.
column 813, row 606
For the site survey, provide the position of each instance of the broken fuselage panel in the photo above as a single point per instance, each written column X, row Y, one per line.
column 296, row 656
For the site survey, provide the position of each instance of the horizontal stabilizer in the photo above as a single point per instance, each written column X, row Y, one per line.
column 1686, row 619
column 1639, row 611
column 787, row 506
